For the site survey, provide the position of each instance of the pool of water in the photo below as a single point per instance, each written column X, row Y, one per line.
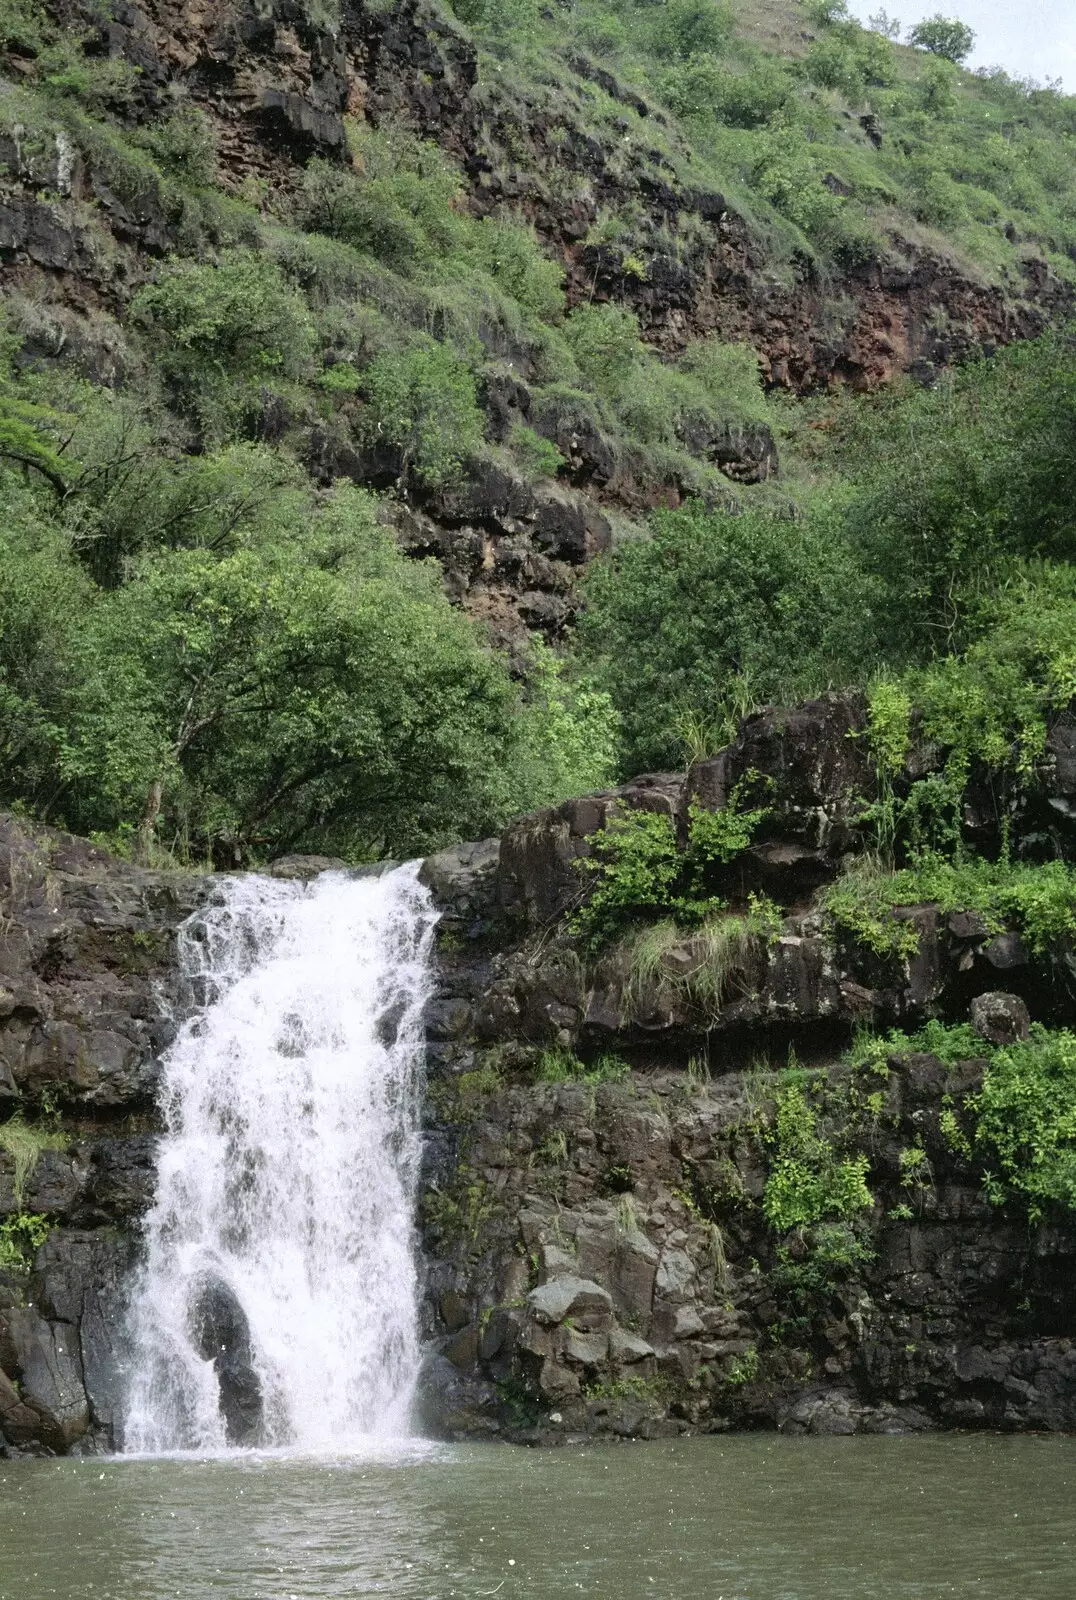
column 746, row 1518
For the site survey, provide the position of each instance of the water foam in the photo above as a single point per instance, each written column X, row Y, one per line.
column 287, row 1173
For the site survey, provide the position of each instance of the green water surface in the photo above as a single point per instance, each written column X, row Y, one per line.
column 748, row 1518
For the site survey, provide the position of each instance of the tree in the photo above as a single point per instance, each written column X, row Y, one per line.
column 423, row 404
column 219, row 330
column 944, row 36
column 684, row 629
column 312, row 688
column 881, row 22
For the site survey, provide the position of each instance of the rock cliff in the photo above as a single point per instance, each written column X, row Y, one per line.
column 599, row 1259
column 88, row 991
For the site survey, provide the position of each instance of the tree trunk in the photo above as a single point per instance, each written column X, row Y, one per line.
column 148, row 826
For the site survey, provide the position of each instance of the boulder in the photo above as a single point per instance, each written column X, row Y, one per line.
column 297, row 868
column 222, row 1335
column 48, row 1368
column 1000, row 1018
column 587, row 1303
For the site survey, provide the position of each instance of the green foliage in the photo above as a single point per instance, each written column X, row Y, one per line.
column 889, row 711
column 1023, row 1120
column 944, row 36
column 637, row 862
column 1026, row 1121
column 809, row 1182
column 185, row 145
column 569, row 731
column 218, row 330
column 743, row 1369
column 719, row 836
column 423, row 403
column 21, row 1236
column 679, row 621
column 397, row 203
column 561, row 1065
column 1039, row 900
column 297, row 678
column 683, row 29
column 537, row 456
column 950, row 1044
column 459, row 1216
column 642, row 872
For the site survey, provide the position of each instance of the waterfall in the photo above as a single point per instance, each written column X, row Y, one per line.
column 277, row 1302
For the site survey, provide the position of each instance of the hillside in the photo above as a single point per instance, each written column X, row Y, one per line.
column 296, row 294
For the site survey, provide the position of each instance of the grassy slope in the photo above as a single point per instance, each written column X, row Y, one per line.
column 768, row 103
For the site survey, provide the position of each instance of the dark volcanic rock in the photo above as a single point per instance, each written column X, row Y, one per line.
column 1000, row 1018
column 88, row 983
column 223, row 1337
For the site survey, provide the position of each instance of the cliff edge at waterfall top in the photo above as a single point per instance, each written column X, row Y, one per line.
column 537, row 729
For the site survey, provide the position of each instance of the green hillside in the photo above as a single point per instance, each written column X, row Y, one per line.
column 313, row 309
column 820, row 130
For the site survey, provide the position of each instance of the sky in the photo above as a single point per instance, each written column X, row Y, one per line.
column 1029, row 38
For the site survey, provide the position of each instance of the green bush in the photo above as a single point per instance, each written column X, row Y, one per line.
column 538, row 457
column 1026, row 1121
column 809, row 1182
column 219, row 329
column 399, row 205
column 707, row 86
column 1039, row 900
column 185, row 145
column 681, row 29
column 423, row 402
column 21, row 1235
column 642, row 873
column 677, row 622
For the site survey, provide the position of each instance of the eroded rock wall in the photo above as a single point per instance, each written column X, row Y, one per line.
column 599, row 1258
column 88, row 991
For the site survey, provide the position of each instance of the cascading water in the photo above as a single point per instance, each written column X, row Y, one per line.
column 277, row 1304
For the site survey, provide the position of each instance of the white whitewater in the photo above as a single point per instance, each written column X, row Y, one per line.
column 288, row 1170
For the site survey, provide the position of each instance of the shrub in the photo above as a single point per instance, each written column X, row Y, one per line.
column 1039, row 900
column 944, row 36
column 686, row 28
column 642, row 873
column 707, row 86
column 398, row 202
column 216, row 329
column 809, row 1182
column 186, row 146
column 21, row 1235
column 423, row 402
column 604, row 340
column 679, row 621
column 1026, row 1121
column 561, row 1065
column 538, row 457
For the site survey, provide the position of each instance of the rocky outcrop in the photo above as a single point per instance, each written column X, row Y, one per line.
column 599, row 1261
column 602, row 1267
column 599, row 1258
column 88, row 989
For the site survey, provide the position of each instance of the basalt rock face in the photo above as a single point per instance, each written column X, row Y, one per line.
column 607, row 1271
column 87, row 992
column 599, row 1261
column 597, row 1258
